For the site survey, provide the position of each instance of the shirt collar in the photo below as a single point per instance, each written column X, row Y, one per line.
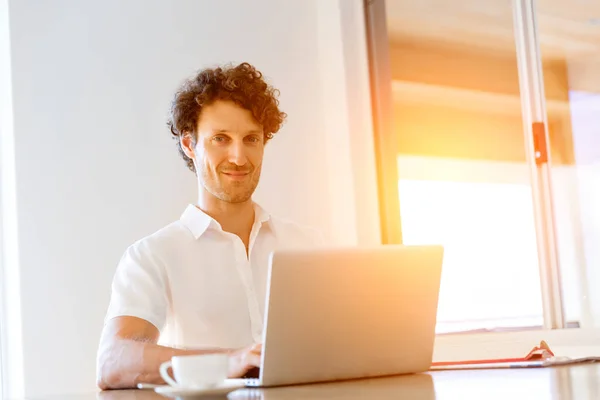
column 198, row 222
column 260, row 215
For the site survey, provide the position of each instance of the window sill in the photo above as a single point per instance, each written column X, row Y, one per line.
column 473, row 346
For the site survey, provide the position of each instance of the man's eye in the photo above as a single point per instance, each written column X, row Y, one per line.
column 219, row 139
column 253, row 139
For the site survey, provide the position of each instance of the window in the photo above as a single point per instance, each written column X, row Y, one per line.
column 477, row 220
column 574, row 55
column 459, row 109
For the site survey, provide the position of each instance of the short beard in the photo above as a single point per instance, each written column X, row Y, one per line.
column 234, row 197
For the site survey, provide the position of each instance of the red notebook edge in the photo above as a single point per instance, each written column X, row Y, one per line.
column 538, row 353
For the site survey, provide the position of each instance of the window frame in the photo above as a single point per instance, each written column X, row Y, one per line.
column 533, row 105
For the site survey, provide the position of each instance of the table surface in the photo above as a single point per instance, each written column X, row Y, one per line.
column 579, row 381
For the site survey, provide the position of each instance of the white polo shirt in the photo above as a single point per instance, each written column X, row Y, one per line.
column 195, row 283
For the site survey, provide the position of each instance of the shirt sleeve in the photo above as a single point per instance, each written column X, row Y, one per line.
column 139, row 287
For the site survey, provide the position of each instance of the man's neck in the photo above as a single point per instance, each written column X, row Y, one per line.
column 236, row 218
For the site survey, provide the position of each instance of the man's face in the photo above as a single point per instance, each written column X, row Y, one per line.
column 229, row 151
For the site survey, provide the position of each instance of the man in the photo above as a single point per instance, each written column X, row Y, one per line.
column 199, row 283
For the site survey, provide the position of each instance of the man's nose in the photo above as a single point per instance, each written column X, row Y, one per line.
column 237, row 154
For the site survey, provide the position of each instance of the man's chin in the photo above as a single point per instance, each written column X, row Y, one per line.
column 236, row 198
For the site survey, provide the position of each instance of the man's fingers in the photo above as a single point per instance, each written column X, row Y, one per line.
column 252, row 359
column 245, row 360
column 257, row 347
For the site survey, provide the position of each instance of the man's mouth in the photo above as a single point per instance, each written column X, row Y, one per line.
column 238, row 175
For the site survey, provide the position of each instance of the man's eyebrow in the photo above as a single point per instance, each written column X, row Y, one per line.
column 250, row 132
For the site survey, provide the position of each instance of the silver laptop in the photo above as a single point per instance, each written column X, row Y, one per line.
column 336, row 314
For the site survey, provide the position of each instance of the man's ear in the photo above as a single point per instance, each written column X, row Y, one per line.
column 188, row 142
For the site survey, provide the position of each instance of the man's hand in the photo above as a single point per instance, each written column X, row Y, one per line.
column 241, row 361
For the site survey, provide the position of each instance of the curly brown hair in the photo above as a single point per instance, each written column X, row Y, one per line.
column 242, row 84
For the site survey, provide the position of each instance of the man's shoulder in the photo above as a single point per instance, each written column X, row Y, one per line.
column 292, row 232
column 289, row 226
column 164, row 239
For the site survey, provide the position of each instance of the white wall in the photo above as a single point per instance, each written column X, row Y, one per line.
column 10, row 317
column 96, row 168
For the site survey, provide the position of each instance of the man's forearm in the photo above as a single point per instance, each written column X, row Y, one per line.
column 124, row 363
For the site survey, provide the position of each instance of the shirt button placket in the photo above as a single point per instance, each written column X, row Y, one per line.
column 245, row 270
column 255, row 315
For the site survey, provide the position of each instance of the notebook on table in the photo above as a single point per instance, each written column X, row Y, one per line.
column 540, row 356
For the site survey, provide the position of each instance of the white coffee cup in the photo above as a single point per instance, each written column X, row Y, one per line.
column 196, row 371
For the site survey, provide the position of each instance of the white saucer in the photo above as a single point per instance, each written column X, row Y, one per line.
column 193, row 393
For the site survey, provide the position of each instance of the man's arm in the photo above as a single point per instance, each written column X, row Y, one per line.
column 129, row 354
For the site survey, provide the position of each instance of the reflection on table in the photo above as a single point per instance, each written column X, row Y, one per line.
column 581, row 382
